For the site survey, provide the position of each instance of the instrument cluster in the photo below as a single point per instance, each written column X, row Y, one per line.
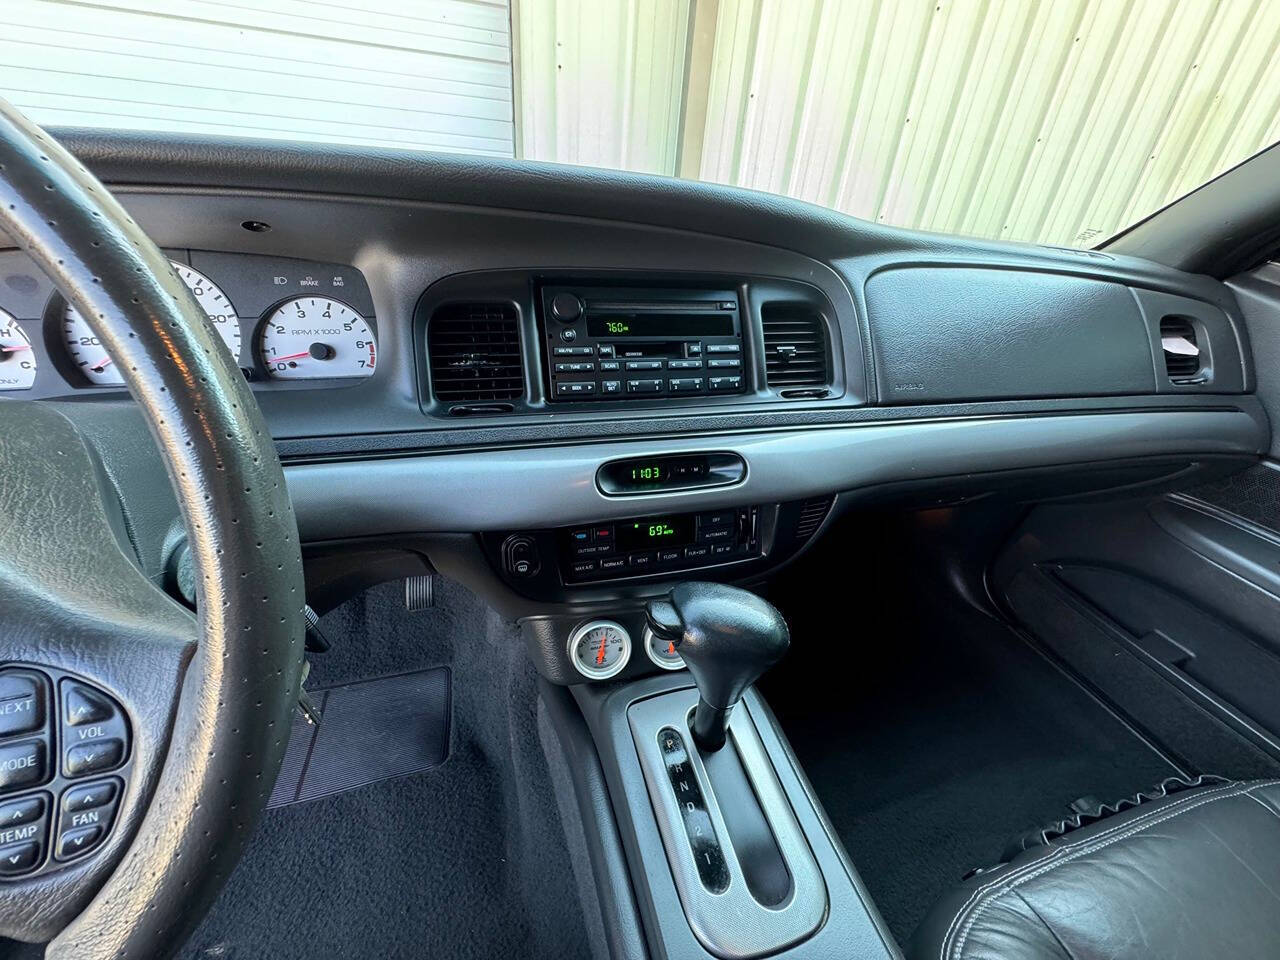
column 285, row 322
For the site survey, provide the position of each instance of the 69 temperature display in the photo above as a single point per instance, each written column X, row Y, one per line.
column 315, row 337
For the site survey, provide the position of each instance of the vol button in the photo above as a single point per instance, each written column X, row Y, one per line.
column 86, row 706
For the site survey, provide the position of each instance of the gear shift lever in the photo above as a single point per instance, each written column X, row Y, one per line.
column 727, row 638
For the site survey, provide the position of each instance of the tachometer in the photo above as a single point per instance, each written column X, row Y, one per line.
column 315, row 337
column 17, row 359
column 600, row 649
column 87, row 353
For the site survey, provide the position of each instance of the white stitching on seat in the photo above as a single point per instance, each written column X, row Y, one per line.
column 1090, row 844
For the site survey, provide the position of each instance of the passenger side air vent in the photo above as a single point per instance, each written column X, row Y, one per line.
column 474, row 349
column 1181, row 351
column 812, row 513
column 795, row 348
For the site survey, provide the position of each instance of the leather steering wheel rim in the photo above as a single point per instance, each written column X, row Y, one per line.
column 232, row 716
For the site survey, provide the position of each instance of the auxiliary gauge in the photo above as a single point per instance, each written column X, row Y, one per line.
column 600, row 649
column 663, row 653
column 17, row 362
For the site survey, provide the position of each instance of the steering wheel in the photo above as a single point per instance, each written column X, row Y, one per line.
column 112, row 693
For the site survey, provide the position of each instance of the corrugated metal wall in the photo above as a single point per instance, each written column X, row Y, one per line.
column 1055, row 121
column 427, row 73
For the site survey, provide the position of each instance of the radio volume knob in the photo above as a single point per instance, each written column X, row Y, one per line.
column 565, row 307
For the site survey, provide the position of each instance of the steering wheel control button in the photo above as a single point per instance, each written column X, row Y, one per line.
column 78, row 842
column 22, row 696
column 18, row 859
column 17, row 812
column 89, row 797
column 85, row 758
column 22, row 764
column 95, row 736
column 84, row 705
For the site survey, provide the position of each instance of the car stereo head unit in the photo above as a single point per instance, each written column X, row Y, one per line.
column 606, row 343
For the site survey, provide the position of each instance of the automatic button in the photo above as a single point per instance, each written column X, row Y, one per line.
column 18, row 858
column 77, row 842
column 91, row 757
column 21, row 764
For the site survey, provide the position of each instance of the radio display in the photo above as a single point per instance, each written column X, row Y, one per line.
column 653, row 532
column 604, row 326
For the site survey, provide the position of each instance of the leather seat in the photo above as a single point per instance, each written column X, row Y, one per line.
column 1196, row 874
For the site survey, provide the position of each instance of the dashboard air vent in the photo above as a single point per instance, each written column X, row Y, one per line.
column 474, row 350
column 795, row 347
column 1181, row 352
column 812, row 513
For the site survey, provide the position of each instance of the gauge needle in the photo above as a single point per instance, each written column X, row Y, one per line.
column 600, row 652
column 671, row 647
column 292, row 356
column 101, row 364
column 15, row 348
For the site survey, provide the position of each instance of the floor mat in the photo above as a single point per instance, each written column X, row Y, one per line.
column 369, row 731
column 466, row 860
column 941, row 737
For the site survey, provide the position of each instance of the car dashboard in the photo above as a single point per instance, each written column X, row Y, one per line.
column 566, row 387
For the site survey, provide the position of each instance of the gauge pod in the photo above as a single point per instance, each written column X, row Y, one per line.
column 599, row 649
column 662, row 652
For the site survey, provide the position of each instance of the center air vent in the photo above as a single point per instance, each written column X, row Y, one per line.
column 1181, row 351
column 474, row 350
column 795, row 347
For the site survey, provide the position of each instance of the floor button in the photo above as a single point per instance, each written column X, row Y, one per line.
column 91, row 757
column 21, row 764
column 18, row 858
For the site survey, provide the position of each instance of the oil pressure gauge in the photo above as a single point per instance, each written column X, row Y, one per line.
column 662, row 653
column 600, row 649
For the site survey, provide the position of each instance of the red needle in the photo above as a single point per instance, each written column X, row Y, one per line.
column 16, row 348
column 600, row 652
column 101, row 364
column 292, row 356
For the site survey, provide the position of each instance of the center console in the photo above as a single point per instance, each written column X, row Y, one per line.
column 729, row 853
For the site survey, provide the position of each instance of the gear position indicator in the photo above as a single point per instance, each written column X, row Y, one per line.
column 707, row 854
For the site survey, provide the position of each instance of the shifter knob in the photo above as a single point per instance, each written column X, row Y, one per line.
column 728, row 638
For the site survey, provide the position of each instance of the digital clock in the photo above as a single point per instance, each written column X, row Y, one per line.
column 648, row 473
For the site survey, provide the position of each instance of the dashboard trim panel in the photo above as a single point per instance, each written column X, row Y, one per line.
column 541, row 486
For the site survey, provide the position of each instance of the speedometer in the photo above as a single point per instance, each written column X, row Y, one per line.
column 86, row 350
column 315, row 337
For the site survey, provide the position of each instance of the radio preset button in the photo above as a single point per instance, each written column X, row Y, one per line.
column 723, row 364
column 644, row 364
column 644, row 386
column 724, row 348
column 688, row 385
column 724, row 384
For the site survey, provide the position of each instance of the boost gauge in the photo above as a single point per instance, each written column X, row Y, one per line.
column 87, row 353
column 600, row 649
column 314, row 337
column 17, row 360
